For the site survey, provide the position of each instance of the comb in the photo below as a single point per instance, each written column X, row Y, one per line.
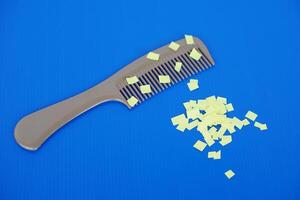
column 34, row 129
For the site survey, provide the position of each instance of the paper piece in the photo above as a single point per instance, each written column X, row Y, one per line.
column 211, row 154
column 238, row 123
column 132, row 80
column 231, row 130
column 213, row 132
column 192, row 124
column 195, row 54
column 211, row 99
column 222, row 100
column 145, row 89
column 174, row 46
column 209, row 141
column 153, row 56
column 182, row 127
column 132, row 101
column 200, row 145
column 216, row 155
column 221, row 132
column 251, row 115
column 190, row 105
column 229, row 174
column 178, row 66
column 189, row 39
column 226, row 139
column 193, row 113
column 261, row 126
column 179, row 119
column 229, row 107
column 164, row 79
column 246, row 122
column 193, row 84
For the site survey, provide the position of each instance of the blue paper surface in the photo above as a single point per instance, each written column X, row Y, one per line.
column 51, row 50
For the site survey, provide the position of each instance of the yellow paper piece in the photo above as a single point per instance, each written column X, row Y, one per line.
column 132, row 101
column 251, row 115
column 202, row 104
column 211, row 154
column 221, row 132
column 193, row 84
column 229, row 107
column 229, row 174
column 164, row 79
column 182, row 127
column 179, row 119
column 132, row 80
column 213, row 132
column 190, row 104
column 202, row 128
column 200, row 145
column 192, row 125
column 231, row 130
column 209, row 141
column 145, row 89
column 216, row 155
column 153, row 56
column 178, row 66
column 261, row 126
column 222, row 100
column 211, row 99
column 193, row 113
column 246, row 122
column 238, row 123
column 226, row 139
column 189, row 39
column 227, row 124
column 174, row 46
column 207, row 137
column 195, row 54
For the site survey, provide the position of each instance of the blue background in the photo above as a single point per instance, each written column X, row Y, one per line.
column 50, row 50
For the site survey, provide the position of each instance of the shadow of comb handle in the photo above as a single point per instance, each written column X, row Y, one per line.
column 34, row 129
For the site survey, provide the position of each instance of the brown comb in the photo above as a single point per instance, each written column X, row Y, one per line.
column 34, row 129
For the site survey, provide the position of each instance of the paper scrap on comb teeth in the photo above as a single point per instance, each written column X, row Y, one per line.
column 189, row 39
column 196, row 55
column 229, row 174
column 132, row 80
column 174, row 46
column 164, row 79
column 193, row 84
column 132, row 101
column 251, row 115
column 153, row 56
column 178, row 66
column 145, row 89
column 200, row 145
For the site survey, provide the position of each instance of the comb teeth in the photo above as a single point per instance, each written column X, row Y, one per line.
column 189, row 68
